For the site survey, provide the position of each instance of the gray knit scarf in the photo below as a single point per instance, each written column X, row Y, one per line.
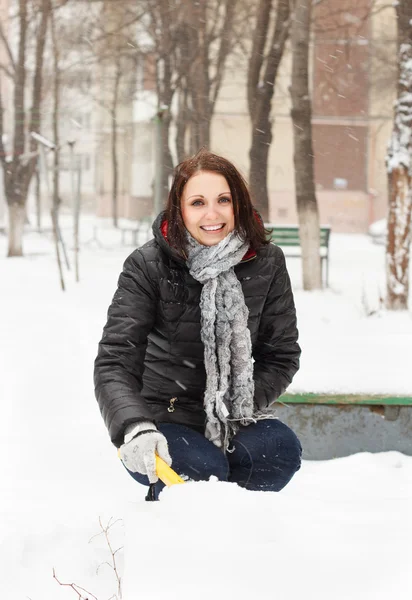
column 228, row 399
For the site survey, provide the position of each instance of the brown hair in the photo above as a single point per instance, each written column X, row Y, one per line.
column 248, row 223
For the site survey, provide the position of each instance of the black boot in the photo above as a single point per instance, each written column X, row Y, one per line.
column 151, row 496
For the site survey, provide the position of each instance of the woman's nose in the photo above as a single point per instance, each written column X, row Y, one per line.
column 212, row 212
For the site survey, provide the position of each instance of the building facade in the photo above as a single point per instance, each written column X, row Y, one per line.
column 353, row 86
column 353, row 82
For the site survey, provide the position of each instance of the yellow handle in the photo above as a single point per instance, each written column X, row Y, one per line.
column 164, row 472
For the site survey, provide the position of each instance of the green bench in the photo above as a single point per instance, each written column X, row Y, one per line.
column 346, row 399
column 143, row 225
column 386, row 405
column 287, row 237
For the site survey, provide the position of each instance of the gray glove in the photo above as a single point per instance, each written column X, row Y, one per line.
column 141, row 442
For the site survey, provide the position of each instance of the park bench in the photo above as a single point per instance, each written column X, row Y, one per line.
column 391, row 402
column 105, row 232
column 336, row 424
column 28, row 229
column 287, row 237
column 133, row 230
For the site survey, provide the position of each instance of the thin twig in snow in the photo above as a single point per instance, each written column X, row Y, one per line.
column 74, row 586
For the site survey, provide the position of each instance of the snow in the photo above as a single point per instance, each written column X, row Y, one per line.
column 341, row 529
column 326, row 535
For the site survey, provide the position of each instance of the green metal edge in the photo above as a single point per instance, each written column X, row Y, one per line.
column 346, row 399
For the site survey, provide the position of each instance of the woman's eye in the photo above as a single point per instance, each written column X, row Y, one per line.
column 197, row 203
column 224, row 200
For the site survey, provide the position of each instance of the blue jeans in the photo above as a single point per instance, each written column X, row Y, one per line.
column 266, row 455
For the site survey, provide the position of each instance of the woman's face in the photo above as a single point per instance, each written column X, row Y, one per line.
column 207, row 208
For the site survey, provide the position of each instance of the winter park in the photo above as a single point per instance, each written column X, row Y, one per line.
column 205, row 230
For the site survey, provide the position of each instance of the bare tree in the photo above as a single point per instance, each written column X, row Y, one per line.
column 306, row 201
column 56, row 140
column 190, row 45
column 399, row 168
column 210, row 37
column 18, row 167
column 98, row 57
column 265, row 58
column 164, row 29
column 117, row 55
column 182, row 121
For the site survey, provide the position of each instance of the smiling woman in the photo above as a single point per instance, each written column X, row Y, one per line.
column 207, row 208
column 201, row 340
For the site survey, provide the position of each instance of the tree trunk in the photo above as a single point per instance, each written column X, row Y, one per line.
column 306, row 201
column 14, row 172
column 35, row 115
column 56, row 156
column 182, row 120
column 167, row 160
column 19, row 87
column 399, row 162
column 38, row 197
column 181, row 124
column 17, row 215
column 18, row 172
column 115, row 174
column 115, row 162
column 199, row 83
column 183, row 117
column 56, row 113
column 398, row 240
column 261, row 86
column 164, row 20
column 258, row 174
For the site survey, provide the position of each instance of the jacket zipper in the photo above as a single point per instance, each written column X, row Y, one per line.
column 171, row 407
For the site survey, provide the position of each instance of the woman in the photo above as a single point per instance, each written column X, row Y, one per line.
column 201, row 340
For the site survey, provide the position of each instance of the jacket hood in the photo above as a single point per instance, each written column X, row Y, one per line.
column 160, row 228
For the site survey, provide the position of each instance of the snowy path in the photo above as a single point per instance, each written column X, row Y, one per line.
column 59, row 472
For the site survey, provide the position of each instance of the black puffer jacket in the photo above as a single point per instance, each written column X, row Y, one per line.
column 151, row 351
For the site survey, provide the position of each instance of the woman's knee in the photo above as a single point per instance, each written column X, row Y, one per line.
column 284, row 441
column 267, row 454
column 270, row 437
column 193, row 455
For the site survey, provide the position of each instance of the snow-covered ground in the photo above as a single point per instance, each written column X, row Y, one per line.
column 341, row 529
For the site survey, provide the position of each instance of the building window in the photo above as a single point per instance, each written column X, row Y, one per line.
column 340, row 58
column 340, row 157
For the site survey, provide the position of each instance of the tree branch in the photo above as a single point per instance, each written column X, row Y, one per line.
column 7, row 72
column 2, row 148
column 7, row 46
column 257, row 54
column 280, row 35
column 224, row 49
column 75, row 588
column 105, row 531
column 19, row 87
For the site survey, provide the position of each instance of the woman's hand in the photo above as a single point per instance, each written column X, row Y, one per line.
column 142, row 442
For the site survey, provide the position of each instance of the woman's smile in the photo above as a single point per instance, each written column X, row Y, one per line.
column 212, row 228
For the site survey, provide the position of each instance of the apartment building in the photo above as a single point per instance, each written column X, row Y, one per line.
column 353, row 64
